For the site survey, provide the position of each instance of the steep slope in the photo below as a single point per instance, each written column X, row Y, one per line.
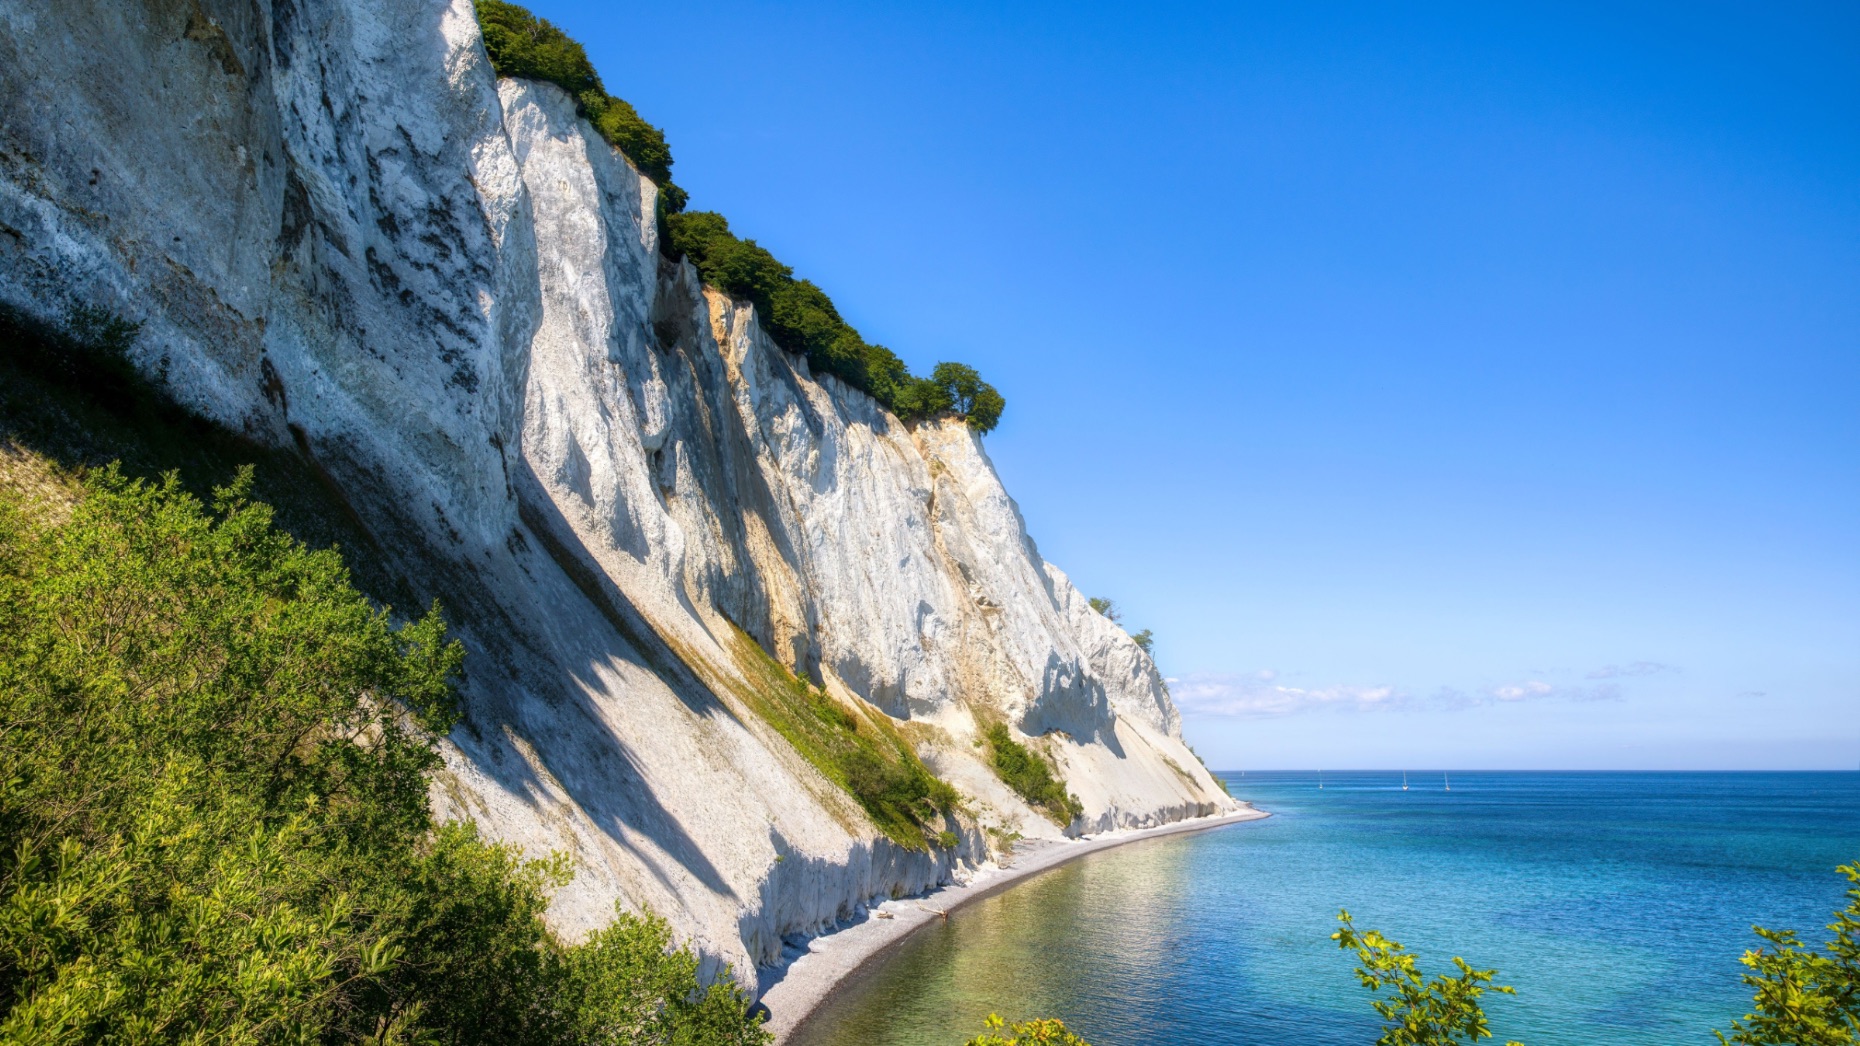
column 340, row 233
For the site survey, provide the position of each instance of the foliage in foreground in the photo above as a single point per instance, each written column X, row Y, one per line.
column 1803, row 997
column 1416, row 1011
column 1031, row 776
column 213, row 810
column 1047, row 1032
column 863, row 754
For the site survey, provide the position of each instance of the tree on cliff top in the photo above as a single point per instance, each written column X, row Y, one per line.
column 800, row 318
column 973, row 399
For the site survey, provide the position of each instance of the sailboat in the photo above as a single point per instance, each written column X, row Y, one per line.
column 1320, row 780
column 1404, row 780
column 1446, row 780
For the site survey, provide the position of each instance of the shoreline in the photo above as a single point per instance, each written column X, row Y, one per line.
column 833, row 959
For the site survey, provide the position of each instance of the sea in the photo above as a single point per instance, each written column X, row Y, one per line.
column 1616, row 904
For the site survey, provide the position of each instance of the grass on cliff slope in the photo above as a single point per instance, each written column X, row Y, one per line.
column 861, row 752
column 797, row 314
column 214, row 761
column 1031, row 776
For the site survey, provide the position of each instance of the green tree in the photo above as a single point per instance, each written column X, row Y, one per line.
column 970, row 397
column 1105, row 607
column 985, row 411
column 1143, row 639
column 1803, row 997
column 1416, row 1011
column 921, row 398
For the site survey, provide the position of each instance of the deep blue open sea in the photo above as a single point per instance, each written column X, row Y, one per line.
column 1616, row 903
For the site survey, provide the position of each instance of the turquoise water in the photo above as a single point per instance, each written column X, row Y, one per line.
column 1617, row 904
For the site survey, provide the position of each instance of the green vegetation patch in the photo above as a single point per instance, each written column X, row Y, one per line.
column 862, row 753
column 214, row 760
column 797, row 314
column 215, row 757
column 1031, row 777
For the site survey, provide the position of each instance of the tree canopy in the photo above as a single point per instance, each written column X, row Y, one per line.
column 800, row 318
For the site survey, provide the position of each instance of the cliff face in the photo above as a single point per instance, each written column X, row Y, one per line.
column 340, row 232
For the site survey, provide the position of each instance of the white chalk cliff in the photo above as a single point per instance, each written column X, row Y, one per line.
column 341, row 233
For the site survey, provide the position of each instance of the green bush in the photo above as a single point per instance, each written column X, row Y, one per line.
column 527, row 47
column 1031, row 776
column 213, row 809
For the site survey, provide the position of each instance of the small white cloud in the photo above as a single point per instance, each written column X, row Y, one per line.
column 1260, row 695
column 1754, row 693
column 1522, row 691
column 1256, row 695
column 1636, row 668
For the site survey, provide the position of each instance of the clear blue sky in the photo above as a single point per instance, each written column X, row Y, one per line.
column 1446, row 385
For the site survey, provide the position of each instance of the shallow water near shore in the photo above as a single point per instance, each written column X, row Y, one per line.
column 1616, row 903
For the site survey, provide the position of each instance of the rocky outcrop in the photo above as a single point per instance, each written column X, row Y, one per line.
column 340, row 232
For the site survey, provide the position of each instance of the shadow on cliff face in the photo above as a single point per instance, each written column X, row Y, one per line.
column 1071, row 702
column 74, row 399
column 528, row 681
column 792, row 890
column 721, row 453
column 69, row 400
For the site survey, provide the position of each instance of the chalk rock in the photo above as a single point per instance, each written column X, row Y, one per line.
column 341, row 234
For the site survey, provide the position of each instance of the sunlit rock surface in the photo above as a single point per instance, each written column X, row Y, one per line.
column 339, row 232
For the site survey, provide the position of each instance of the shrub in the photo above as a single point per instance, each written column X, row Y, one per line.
column 213, row 808
column 1416, row 1011
column 1031, row 776
column 1046, row 1032
column 1805, row 997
